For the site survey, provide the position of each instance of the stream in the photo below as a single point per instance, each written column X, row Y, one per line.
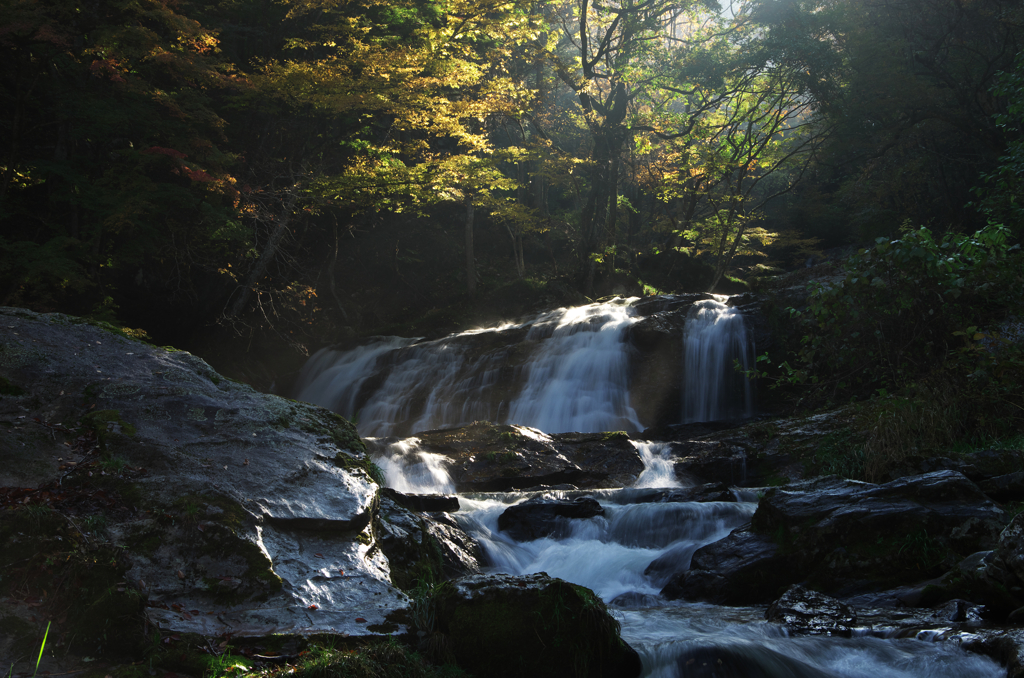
column 568, row 370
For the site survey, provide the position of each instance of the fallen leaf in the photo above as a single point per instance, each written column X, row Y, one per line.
column 181, row 575
column 319, row 555
column 360, row 620
column 314, row 606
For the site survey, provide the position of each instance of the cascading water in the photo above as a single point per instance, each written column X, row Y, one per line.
column 569, row 370
column 714, row 338
column 629, row 553
column 566, row 370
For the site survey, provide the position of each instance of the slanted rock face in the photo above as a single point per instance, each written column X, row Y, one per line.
column 846, row 536
column 530, row 626
column 249, row 513
column 423, row 547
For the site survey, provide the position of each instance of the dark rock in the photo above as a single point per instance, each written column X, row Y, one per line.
column 532, row 625
column 711, row 461
column 423, row 547
column 1006, row 647
column 700, row 493
column 670, row 563
column 849, row 537
column 744, row 568
column 811, row 613
column 444, row 503
column 257, row 506
column 742, row 661
column 634, row 601
column 546, row 516
column 498, row 458
column 1004, row 488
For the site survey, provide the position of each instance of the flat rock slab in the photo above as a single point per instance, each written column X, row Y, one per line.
column 252, row 512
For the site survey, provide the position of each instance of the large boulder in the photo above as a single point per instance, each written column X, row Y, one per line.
column 994, row 577
column 485, row 457
column 530, row 626
column 848, row 537
column 147, row 482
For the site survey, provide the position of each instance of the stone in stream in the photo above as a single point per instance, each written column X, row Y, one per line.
column 546, row 516
column 810, row 613
column 994, row 577
column 531, row 625
column 848, row 537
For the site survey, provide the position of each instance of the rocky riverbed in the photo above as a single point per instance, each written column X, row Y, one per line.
column 148, row 503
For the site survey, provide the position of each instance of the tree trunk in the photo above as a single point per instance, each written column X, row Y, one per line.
column 470, row 259
column 268, row 254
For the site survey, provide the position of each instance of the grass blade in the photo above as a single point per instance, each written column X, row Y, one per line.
column 41, row 648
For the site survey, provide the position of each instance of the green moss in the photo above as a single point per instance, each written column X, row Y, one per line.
column 105, row 423
column 562, row 630
column 345, row 435
column 614, row 435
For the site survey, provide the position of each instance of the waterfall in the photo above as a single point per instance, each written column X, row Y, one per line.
column 714, row 337
column 410, row 470
column 565, row 370
column 579, row 379
column 658, row 469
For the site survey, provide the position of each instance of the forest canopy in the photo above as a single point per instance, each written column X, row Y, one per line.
column 337, row 163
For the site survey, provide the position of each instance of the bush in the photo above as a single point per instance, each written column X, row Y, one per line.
column 895, row 315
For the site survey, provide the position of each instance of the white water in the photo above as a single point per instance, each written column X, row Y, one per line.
column 410, row 470
column 575, row 377
column 579, row 378
column 658, row 468
column 627, row 556
column 715, row 336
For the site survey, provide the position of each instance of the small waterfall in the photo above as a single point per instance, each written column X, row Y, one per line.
column 714, row 337
column 410, row 470
column 658, row 469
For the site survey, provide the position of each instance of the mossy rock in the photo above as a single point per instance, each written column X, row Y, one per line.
column 530, row 626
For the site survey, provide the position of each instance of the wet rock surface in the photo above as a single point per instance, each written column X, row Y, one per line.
column 445, row 503
column 546, row 516
column 243, row 513
column 505, row 625
column 496, row 458
column 808, row 612
column 848, row 537
column 744, row 568
column 428, row 547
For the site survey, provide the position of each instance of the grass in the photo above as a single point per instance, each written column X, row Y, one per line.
column 39, row 659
